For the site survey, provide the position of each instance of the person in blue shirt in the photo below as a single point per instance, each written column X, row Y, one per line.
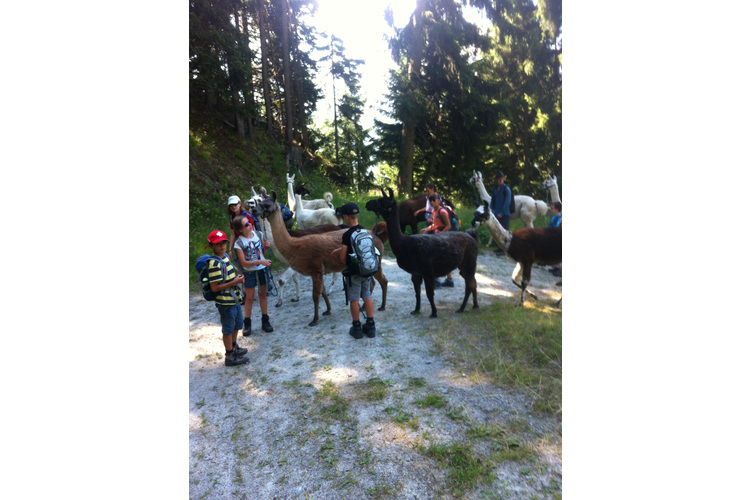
column 556, row 211
column 500, row 203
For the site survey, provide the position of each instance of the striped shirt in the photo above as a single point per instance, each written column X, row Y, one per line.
column 224, row 298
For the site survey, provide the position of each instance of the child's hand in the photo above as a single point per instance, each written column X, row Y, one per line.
column 239, row 279
column 266, row 243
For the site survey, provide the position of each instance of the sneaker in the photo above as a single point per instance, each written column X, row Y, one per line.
column 448, row 283
column 241, row 351
column 369, row 330
column 235, row 360
column 356, row 331
column 266, row 324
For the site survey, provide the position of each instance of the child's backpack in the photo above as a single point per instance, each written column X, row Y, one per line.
column 286, row 214
column 455, row 221
column 364, row 260
column 453, row 218
column 201, row 265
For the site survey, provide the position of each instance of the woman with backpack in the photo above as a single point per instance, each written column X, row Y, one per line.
column 441, row 223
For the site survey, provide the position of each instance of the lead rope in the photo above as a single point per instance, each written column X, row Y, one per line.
column 270, row 282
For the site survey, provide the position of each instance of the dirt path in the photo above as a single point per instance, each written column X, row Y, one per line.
column 317, row 414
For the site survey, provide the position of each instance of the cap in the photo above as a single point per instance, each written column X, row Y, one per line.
column 216, row 237
column 233, row 199
column 349, row 209
column 499, row 174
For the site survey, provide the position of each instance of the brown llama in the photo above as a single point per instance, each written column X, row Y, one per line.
column 527, row 246
column 311, row 254
column 429, row 256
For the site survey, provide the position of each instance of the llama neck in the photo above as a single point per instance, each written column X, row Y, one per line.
column 284, row 243
column 501, row 235
column 482, row 190
column 554, row 194
column 298, row 203
column 395, row 235
column 290, row 196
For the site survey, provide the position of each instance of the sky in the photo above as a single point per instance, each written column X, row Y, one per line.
column 361, row 25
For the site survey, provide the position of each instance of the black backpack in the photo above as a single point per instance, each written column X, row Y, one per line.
column 512, row 206
column 364, row 259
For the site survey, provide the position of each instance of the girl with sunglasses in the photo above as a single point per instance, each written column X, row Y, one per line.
column 250, row 249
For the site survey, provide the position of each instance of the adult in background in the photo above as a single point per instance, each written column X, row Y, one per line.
column 500, row 203
column 235, row 209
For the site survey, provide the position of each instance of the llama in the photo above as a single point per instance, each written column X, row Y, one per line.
column 526, row 246
column 550, row 184
column 309, row 204
column 527, row 208
column 429, row 256
column 381, row 231
column 311, row 254
column 307, row 218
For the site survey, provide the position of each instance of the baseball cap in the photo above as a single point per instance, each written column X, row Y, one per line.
column 349, row 209
column 216, row 237
column 232, row 200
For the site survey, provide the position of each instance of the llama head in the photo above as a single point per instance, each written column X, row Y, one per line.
column 300, row 189
column 266, row 207
column 550, row 181
column 290, row 179
column 481, row 215
column 476, row 178
column 382, row 206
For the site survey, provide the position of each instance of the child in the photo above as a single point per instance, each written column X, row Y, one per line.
column 235, row 209
column 249, row 248
column 229, row 299
column 356, row 286
column 429, row 189
column 556, row 210
column 440, row 224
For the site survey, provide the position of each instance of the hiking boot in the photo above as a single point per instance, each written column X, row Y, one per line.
column 233, row 359
column 248, row 323
column 266, row 324
column 356, row 330
column 241, row 351
column 556, row 271
column 448, row 282
column 438, row 283
column 369, row 329
column 500, row 251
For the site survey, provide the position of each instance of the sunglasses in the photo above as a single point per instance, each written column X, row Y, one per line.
column 234, row 204
column 247, row 224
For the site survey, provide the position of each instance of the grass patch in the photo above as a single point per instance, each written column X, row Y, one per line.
column 508, row 345
column 465, row 469
column 374, row 389
column 333, row 406
column 431, row 400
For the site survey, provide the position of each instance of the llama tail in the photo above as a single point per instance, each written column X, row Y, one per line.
column 473, row 233
column 328, row 197
column 541, row 208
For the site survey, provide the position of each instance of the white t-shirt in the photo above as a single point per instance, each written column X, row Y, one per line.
column 252, row 249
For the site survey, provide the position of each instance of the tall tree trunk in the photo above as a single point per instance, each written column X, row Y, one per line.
column 263, row 28
column 408, row 130
column 300, row 100
column 335, row 123
column 286, row 54
column 249, row 91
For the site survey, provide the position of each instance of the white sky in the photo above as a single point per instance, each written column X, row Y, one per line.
column 361, row 26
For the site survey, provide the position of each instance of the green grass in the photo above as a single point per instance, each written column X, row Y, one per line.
column 518, row 347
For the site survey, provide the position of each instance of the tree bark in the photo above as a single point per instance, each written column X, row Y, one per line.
column 263, row 29
column 286, row 55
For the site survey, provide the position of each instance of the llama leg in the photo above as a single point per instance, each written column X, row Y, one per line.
column 328, row 302
column 429, row 288
column 417, row 281
column 317, row 288
column 383, row 281
column 280, row 288
column 295, row 278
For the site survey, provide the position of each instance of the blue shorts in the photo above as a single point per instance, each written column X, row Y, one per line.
column 231, row 318
column 357, row 288
column 253, row 278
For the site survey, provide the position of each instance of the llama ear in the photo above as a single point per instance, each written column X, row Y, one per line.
column 273, row 195
column 486, row 204
column 390, row 192
column 383, row 191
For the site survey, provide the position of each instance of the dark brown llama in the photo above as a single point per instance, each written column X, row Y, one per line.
column 429, row 256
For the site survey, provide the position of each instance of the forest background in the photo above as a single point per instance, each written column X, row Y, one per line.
column 94, row 129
